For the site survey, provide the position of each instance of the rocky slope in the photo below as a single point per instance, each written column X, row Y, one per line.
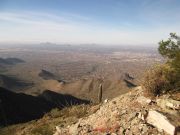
column 129, row 114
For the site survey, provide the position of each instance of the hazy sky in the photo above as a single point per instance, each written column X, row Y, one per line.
column 89, row 21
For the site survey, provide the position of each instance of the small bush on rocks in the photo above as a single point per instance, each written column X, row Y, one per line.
column 160, row 79
column 163, row 78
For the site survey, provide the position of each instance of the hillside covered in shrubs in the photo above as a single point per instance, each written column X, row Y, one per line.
column 165, row 77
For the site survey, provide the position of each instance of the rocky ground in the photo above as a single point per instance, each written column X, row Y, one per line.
column 129, row 114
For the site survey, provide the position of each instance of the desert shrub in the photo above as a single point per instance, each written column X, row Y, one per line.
column 165, row 78
column 160, row 79
column 54, row 113
column 170, row 49
column 42, row 130
column 76, row 111
column 72, row 111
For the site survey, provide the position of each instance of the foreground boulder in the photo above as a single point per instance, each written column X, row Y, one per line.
column 161, row 122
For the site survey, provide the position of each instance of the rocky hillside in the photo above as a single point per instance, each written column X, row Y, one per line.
column 86, row 88
column 129, row 114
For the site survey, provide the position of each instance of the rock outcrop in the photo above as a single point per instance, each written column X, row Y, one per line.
column 128, row 114
column 170, row 104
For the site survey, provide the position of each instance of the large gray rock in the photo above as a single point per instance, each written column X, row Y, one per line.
column 161, row 122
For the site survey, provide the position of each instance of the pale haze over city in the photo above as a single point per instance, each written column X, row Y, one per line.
column 88, row 21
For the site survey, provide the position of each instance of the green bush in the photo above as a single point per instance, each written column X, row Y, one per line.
column 170, row 49
column 160, row 79
column 165, row 78
column 54, row 113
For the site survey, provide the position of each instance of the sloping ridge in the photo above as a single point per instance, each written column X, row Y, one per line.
column 62, row 100
column 10, row 61
column 88, row 88
column 13, row 83
column 18, row 107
